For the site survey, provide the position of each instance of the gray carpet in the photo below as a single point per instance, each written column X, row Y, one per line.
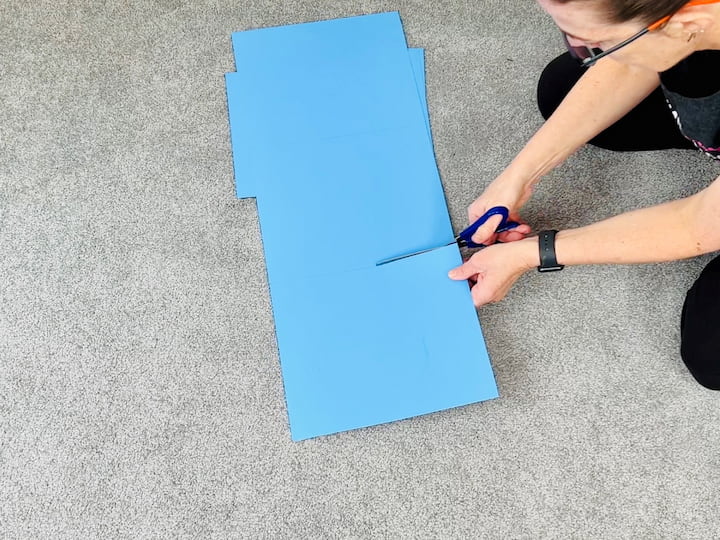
column 140, row 391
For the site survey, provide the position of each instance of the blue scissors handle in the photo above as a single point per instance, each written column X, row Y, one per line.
column 464, row 239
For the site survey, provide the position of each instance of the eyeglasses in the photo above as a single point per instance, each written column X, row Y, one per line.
column 587, row 56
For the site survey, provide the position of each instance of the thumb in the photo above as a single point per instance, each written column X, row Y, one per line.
column 463, row 272
column 487, row 230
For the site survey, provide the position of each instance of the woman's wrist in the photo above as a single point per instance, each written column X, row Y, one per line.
column 527, row 252
column 517, row 179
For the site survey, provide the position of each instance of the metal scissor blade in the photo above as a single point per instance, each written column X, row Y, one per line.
column 401, row 257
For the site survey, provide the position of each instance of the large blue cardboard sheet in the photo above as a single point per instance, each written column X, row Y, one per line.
column 330, row 132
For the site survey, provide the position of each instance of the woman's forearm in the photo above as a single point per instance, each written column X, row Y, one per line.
column 602, row 96
column 674, row 230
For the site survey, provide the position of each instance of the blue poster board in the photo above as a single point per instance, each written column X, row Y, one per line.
column 330, row 132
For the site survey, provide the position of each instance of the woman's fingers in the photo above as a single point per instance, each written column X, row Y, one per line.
column 518, row 233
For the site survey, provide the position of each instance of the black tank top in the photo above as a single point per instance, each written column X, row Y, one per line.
column 692, row 90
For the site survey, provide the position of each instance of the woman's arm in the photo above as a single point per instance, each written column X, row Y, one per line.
column 602, row 96
column 674, row 230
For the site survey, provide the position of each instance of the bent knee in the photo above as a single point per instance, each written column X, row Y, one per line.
column 703, row 366
column 556, row 81
column 700, row 327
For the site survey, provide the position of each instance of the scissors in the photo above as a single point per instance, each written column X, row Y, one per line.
column 464, row 239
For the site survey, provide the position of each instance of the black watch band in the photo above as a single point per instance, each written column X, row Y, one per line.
column 548, row 260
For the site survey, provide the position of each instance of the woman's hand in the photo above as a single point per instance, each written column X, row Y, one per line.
column 494, row 269
column 502, row 192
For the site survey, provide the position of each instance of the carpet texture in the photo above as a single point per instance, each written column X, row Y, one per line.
column 140, row 391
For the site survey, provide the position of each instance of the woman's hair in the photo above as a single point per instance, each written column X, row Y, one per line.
column 647, row 11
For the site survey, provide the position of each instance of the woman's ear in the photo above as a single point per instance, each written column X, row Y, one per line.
column 700, row 24
column 688, row 21
column 675, row 29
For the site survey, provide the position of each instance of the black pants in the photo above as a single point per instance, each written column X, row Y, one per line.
column 650, row 126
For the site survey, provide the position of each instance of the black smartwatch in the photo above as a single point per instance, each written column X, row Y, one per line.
column 548, row 260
